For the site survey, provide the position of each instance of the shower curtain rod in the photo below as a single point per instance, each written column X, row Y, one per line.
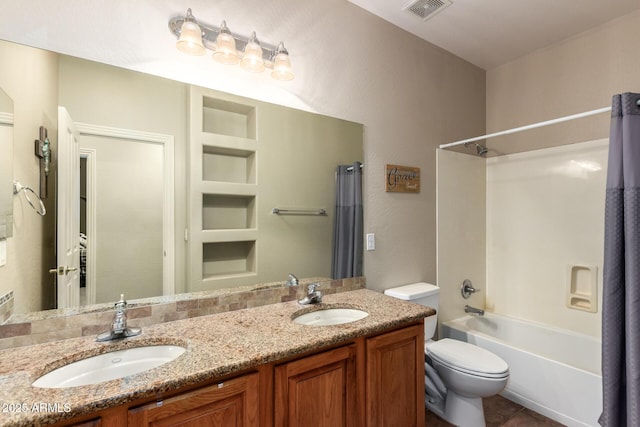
column 527, row 127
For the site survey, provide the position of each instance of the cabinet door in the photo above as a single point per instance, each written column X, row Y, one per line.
column 317, row 391
column 233, row 403
column 395, row 378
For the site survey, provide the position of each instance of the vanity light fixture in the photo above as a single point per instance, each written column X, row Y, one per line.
column 282, row 64
column 225, row 52
column 190, row 40
column 195, row 38
column 252, row 59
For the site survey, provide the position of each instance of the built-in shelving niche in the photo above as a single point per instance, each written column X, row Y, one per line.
column 226, row 132
column 228, row 212
column 228, row 259
column 228, row 118
column 221, row 164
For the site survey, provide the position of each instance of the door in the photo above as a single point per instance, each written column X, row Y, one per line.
column 68, row 214
column 318, row 391
column 395, row 378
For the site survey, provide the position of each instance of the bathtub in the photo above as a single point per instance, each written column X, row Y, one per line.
column 553, row 371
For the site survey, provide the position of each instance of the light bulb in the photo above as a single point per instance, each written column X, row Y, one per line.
column 282, row 64
column 225, row 52
column 252, row 59
column 190, row 41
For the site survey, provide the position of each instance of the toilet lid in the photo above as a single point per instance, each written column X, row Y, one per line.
column 467, row 358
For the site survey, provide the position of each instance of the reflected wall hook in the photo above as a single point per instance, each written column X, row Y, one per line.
column 17, row 188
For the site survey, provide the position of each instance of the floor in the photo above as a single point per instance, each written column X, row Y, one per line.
column 500, row 412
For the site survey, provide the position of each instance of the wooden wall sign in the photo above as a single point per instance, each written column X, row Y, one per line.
column 403, row 179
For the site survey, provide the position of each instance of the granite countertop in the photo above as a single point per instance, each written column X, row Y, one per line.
column 217, row 345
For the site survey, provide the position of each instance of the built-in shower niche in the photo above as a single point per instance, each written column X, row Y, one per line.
column 228, row 259
column 582, row 287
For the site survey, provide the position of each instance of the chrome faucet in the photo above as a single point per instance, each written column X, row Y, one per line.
column 313, row 295
column 293, row 280
column 469, row 309
column 119, row 327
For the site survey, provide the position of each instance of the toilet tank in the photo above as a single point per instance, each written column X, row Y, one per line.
column 424, row 294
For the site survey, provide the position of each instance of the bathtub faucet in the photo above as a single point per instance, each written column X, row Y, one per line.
column 469, row 309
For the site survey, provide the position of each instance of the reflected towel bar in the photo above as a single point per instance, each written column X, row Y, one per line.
column 319, row 212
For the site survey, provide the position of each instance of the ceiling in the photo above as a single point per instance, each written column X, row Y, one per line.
column 489, row 33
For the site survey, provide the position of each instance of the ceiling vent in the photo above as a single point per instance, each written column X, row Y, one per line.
column 425, row 9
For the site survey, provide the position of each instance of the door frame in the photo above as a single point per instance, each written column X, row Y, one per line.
column 91, row 205
column 68, row 209
column 168, row 204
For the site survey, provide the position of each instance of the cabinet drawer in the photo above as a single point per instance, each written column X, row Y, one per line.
column 231, row 403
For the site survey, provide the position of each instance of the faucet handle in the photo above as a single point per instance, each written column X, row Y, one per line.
column 293, row 280
column 467, row 289
column 312, row 287
column 122, row 303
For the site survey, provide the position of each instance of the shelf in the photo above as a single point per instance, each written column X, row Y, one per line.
column 230, row 145
column 223, row 164
column 223, row 259
column 222, row 236
column 228, row 212
column 228, row 118
column 222, row 277
column 228, row 188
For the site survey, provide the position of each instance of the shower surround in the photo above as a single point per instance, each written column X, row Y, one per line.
column 517, row 226
column 545, row 214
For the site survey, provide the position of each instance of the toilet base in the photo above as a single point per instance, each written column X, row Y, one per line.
column 434, row 405
column 463, row 411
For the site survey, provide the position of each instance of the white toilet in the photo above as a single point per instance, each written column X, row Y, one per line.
column 457, row 374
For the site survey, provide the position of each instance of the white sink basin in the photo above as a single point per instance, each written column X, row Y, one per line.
column 330, row 316
column 109, row 366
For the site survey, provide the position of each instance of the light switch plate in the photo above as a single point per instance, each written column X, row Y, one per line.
column 371, row 242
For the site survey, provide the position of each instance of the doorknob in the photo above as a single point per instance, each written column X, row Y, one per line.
column 62, row 270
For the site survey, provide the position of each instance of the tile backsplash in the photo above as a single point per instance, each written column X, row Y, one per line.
column 41, row 327
column 6, row 306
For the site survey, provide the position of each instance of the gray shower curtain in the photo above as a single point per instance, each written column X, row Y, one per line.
column 621, row 287
column 348, row 224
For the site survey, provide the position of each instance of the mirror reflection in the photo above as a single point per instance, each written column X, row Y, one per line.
column 6, row 164
column 177, row 186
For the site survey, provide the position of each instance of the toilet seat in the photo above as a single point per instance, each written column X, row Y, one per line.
column 467, row 358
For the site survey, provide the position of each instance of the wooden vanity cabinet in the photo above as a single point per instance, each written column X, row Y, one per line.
column 96, row 422
column 395, row 378
column 382, row 376
column 230, row 403
column 375, row 381
column 318, row 390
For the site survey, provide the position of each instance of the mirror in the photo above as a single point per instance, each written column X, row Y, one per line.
column 6, row 165
column 297, row 150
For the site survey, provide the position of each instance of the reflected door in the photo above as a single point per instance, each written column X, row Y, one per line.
column 68, row 228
